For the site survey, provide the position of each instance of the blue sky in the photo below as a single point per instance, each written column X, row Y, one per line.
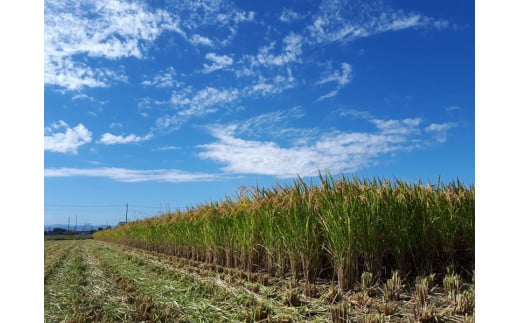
column 168, row 104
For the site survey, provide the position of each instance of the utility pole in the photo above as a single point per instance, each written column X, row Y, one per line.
column 126, row 216
column 76, row 223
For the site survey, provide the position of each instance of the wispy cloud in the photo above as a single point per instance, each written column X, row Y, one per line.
column 71, row 75
column 76, row 31
column 132, row 175
column 163, row 79
column 169, row 122
column 441, row 24
column 335, row 151
column 217, row 62
column 63, row 139
column 355, row 114
column 328, row 95
column 440, row 130
column 210, row 13
column 222, row 16
column 453, row 108
column 289, row 16
column 189, row 104
column 398, row 21
column 399, row 127
column 273, row 124
column 167, row 148
column 275, row 85
column 110, row 139
column 269, row 158
column 201, row 40
column 82, row 97
column 339, row 77
column 110, row 29
column 345, row 21
column 205, row 101
column 148, row 102
column 291, row 52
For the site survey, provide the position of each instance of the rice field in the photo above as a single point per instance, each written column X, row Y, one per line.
column 336, row 229
column 341, row 250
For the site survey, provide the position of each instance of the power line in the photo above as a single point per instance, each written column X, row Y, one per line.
column 73, row 205
column 106, row 205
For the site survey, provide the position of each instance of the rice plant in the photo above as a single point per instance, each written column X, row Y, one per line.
column 340, row 313
column 452, row 286
column 367, row 280
column 392, row 287
column 421, row 291
column 338, row 228
column 464, row 302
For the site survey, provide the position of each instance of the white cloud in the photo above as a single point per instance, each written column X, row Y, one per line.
column 340, row 21
column 167, row 148
column 82, row 97
column 336, row 151
column 277, row 84
column 341, row 78
column 441, row 24
column 453, row 108
column 198, row 104
column 170, row 122
column 204, row 101
column 218, row 62
column 110, row 139
column 440, row 130
column 355, row 114
column 201, row 40
column 73, row 76
column 399, row 21
column 323, row 31
column 110, row 29
column 331, row 94
column 132, row 175
column 291, row 52
column 164, row 79
column 289, row 16
column 273, row 124
column 242, row 16
column 210, row 12
column 147, row 103
column 222, row 16
column 67, row 141
column 439, row 126
column 115, row 125
column 401, row 127
column 246, row 156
